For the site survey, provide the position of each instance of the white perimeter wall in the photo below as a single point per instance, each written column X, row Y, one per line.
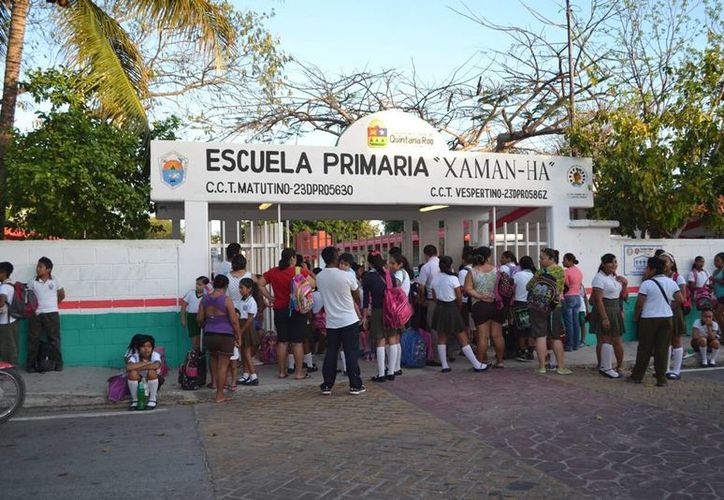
column 103, row 269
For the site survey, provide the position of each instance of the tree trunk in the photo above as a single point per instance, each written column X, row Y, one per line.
column 16, row 40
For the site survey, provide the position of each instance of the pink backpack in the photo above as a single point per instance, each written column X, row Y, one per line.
column 396, row 308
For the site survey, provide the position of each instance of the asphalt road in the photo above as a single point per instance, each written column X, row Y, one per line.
column 106, row 455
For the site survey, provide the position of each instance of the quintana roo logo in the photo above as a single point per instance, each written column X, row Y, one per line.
column 173, row 169
column 376, row 134
column 576, row 176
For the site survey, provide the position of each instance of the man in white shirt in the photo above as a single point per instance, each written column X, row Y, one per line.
column 429, row 271
column 339, row 291
column 46, row 321
column 9, row 340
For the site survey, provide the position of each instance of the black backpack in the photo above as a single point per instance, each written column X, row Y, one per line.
column 46, row 358
column 192, row 373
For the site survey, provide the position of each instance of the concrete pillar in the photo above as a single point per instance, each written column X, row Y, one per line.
column 407, row 245
column 559, row 235
column 176, row 229
column 194, row 257
column 454, row 238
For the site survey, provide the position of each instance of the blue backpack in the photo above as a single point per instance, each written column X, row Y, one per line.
column 414, row 350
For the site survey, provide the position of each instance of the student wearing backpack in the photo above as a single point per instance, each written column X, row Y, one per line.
column 46, row 321
column 401, row 273
column 373, row 297
column 447, row 320
column 480, row 285
column 653, row 316
column 544, row 303
column 676, row 351
column 9, row 336
column 290, row 324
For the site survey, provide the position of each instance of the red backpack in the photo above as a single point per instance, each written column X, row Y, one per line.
column 396, row 308
column 24, row 303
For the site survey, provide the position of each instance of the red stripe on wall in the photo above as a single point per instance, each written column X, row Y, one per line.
column 117, row 303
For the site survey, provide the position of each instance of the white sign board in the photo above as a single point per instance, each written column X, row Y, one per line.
column 256, row 173
column 635, row 258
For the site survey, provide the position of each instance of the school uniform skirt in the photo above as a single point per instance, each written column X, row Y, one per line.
column 613, row 311
column 447, row 319
column 679, row 321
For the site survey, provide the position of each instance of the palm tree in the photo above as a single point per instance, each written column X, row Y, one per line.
column 97, row 42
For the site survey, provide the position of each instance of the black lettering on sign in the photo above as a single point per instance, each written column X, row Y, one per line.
column 303, row 163
column 211, row 159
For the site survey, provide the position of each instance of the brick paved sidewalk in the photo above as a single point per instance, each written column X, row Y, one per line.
column 602, row 437
column 298, row 444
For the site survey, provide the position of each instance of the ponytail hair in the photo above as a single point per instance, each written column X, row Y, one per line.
column 552, row 254
column 527, row 263
column 446, row 265
column 657, row 264
column 570, row 257
column 481, row 255
column 401, row 260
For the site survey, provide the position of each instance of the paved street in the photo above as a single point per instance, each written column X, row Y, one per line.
column 501, row 434
column 106, row 455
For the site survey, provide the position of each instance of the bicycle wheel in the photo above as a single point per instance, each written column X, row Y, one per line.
column 12, row 393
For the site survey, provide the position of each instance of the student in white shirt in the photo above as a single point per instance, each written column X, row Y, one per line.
column 428, row 272
column 232, row 250
column 339, row 292
column 9, row 336
column 521, row 314
column 606, row 320
column 399, row 267
column 676, row 352
column 189, row 308
column 46, row 321
column 143, row 362
column 250, row 339
column 447, row 292
column 653, row 315
column 705, row 335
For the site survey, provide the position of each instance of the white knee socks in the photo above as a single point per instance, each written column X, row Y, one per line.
column 344, row 361
column 391, row 354
column 388, row 357
column 308, row 360
column 133, row 387
column 678, row 357
column 468, row 352
column 152, row 389
column 442, row 354
column 381, row 361
column 607, row 361
column 398, row 359
column 668, row 361
column 702, row 351
column 712, row 358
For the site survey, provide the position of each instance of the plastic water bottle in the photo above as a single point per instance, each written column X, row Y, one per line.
column 142, row 394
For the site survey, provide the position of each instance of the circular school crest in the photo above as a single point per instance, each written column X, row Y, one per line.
column 576, row 176
column 173, row 169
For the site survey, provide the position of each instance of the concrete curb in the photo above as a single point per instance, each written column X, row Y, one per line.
column 54, row 401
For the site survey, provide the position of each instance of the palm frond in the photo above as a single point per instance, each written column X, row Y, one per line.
column 210, row 19
column 116, row 70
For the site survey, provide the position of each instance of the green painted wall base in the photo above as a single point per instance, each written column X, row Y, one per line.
column 102, row 339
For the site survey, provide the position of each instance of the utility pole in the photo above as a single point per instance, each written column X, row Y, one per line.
column 571, row 71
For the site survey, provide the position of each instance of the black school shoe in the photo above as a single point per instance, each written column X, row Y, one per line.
column 446, row 370
column 312, row 368
column 378, row 379
column 398, row 373
column 326, row 390
column 251, row 382
column 356, row 391
column 390, row 377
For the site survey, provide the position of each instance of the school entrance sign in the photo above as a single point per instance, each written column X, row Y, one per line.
column 252, row 173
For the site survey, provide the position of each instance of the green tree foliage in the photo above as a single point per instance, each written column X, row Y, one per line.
column 342, row 230
column 77, row 175
column 657, row 172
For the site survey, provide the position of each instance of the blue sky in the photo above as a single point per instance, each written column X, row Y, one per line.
column 342, row 36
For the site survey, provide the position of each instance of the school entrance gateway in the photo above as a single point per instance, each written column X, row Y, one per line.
column 389, row 165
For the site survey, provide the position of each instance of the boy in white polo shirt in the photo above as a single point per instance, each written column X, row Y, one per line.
column 50, row 293
column 8, row 325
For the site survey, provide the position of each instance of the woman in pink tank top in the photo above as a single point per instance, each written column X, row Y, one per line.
column 572, row 301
